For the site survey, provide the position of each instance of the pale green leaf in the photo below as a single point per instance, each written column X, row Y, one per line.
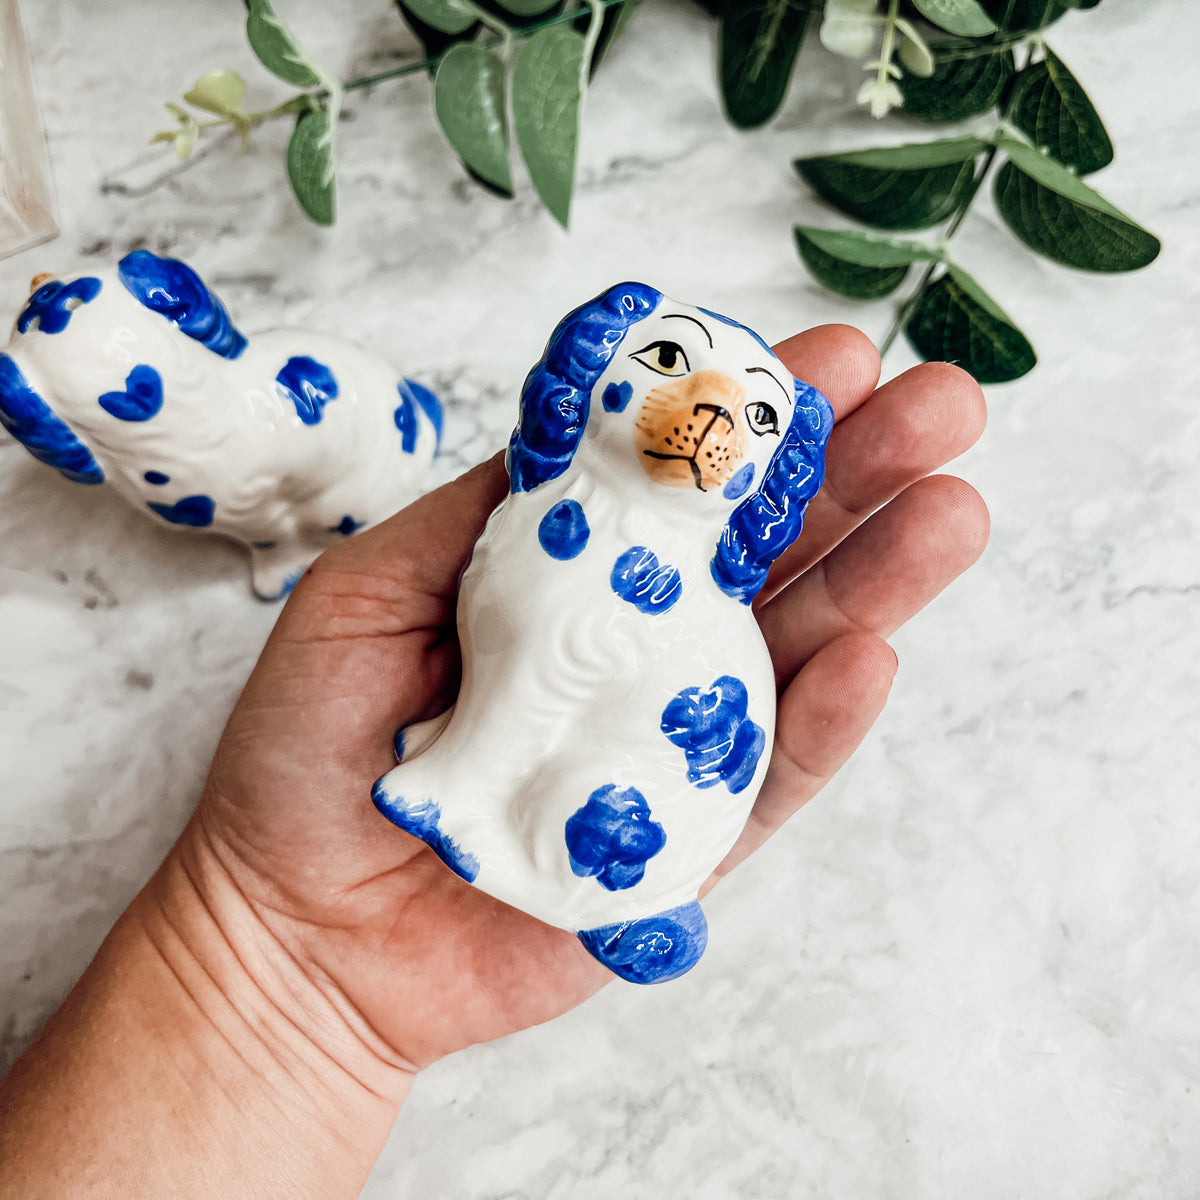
column 849, row 27
column 220, row 92
column 914, row 53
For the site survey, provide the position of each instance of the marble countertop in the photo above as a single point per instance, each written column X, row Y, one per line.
column 971, row 967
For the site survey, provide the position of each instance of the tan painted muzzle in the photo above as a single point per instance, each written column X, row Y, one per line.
column 689, row 433
column 37, row 281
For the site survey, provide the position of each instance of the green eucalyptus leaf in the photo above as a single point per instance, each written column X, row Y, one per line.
column 547, row 96
column 956, row 321
column 964, row 17
column 856, row 264
column 221, row 92
column 1049, row 105
column 310, row 164
column 760, row 40
column 1067, row 221
column 527, row 8
column 1023, row 16
column 959, row 87
column 1080, row 3
column 900, row 187
column 276, row 48
column 447, row 16
column 468, row 97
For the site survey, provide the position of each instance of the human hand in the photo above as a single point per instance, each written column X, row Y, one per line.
column 421, row 963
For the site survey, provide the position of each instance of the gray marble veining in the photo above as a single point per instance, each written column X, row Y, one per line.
column 972, row 965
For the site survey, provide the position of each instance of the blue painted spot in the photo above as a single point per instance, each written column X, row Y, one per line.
column 309, row 385
column 50, row 305
column 422, row 819
column 739, row 485
column 346, row 526
column 650, row 586
column 285, row 588
column 405, row 417
column 616, row 396
column 196, row 511
column 28, row 418
column 288, row 584
column 719, row 740
column 172, row 289
column 264, row 545
column 563, row 531
column 612, row 837
column 157, row 478
column 141, row 399
column 653, row 949
column 398, row 745
column 429, row 404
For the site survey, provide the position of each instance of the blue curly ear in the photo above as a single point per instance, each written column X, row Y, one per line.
column 557, row 392
column 172, row 288
column 765, row 524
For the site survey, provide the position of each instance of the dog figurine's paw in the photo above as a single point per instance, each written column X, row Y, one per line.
column 618, row 702
column 287, row 441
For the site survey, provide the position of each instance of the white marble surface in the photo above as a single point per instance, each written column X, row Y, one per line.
column 972, row 966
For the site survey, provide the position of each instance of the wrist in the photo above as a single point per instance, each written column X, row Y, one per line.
column 197, row 1056
column 258, row 999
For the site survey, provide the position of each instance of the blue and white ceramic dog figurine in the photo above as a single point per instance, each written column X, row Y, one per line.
column 287, row 441
column 618, row 702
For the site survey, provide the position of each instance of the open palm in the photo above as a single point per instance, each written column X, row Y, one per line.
column 367, row 644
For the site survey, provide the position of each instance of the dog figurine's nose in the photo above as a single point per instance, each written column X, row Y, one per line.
column 37, row 281
column 687, row 432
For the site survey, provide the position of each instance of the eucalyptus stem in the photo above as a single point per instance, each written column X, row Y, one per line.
column 906, row 309
column 592, row 36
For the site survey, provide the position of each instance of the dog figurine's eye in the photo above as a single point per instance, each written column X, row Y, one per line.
column 667, row 358
column 762, row 418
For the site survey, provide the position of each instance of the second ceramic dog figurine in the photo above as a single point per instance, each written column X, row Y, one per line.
column 617, row 706
column 287, row 441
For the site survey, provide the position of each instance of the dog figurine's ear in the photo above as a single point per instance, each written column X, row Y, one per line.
column 172, row 289
column 766, row 523
column 555, row 398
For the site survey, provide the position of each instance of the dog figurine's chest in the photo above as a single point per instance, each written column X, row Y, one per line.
column 615, row 720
